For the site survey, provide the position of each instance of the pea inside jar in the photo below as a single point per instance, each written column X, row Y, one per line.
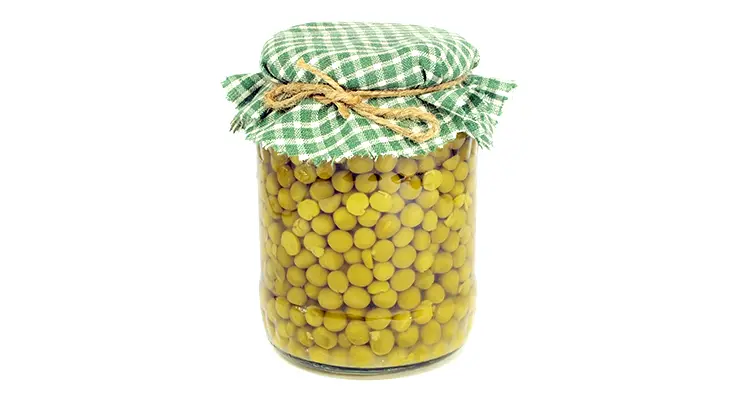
column 368, row 263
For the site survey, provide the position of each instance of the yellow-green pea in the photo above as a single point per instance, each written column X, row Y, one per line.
column 270, row 310
column 274, row 232
column 424, row 261
column 385, row 163
column 314, row 243
column 459, row 256
column 385, row 299
column 424, row 280
column 325, row 170
column 298, row 191
column 282, row 307
column 381, row 342
column 343, row 219
column 425, row 163
column 334, row 321
column 432, row 179
column 290, row 243
column 314, row 316
column 423, row 312
column 444, row 206
column 357, row 332
column 449, row 281
column 410, row 188
column 401, row 321
column 398, row 204
column 451, row 163
column 340, row 241
column 435, row 293
column 317, row 275
column 383, row 250
column 458, row 201
column 389, row 182
column 357, row 204
column 330, row 204
column 430, row 333
column 284, row 259
column 285, row 200
column 361, row 356
column 305, row 173
column 383, row 271
column 378, row 318
column 359, row 165
column 296, row 316
column 434, row 248
column 281, row 286
column 409, row 298
column 397, row 356
column 322, row 224
column 272, row 185
column 402, row 279
column 444, row 312
column 273, row 203
column 381, row 201
column 339, row 356
column 285, row 176
column 387, row 226
column 440, row 233
column 295, row 160
column 331, row 260
column 295, row 276
column 297, row 350
column 408, row 337
column 443, row 263
column 464, row 273
column 343, row 341
column 428, row 199
column 367, row 259
column 304, row 337
column 324, row 338
column 366, row 183
column 448, row 181
column 288, row 218
column 300, row 227
column 359, row 275
column 312, row 291
column 421, row 240
column 406, row 166
column 412, row 215
column 356, row 297
column 378, row 287
column 369, row 218
column 449, row 329
column 364, row 238
column 353, row 256
column 451, row 243
column 342, row 181
column 296, row 296
column 338, row 282
column 355, row 313
column 403, row 237
column 430, row 221
column 318, row 354
column 458, row 189
column 320, row 190
column 462, row 307
column 329, row 299
column 304, row 259
column 404, row 257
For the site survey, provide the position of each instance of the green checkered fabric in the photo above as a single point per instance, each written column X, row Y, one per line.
column 366, row 56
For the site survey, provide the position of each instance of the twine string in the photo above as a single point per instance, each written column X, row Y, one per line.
column 284, row 96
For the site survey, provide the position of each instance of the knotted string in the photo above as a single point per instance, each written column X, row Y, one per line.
column 288, row 95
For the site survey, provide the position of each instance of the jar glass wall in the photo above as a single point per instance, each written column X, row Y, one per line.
column 368, row 265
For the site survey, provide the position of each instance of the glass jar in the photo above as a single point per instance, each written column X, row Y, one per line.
column 367, row 265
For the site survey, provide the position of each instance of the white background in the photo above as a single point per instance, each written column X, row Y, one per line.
column 614, row 237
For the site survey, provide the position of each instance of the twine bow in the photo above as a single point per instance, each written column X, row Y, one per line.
column 288, row 95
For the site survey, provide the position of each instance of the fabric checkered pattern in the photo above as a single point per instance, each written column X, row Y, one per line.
column 366, row 56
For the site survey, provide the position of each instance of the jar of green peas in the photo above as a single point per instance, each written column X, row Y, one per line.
column 367, row 139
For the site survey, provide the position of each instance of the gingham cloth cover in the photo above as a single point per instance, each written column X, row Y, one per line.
column 365, row 56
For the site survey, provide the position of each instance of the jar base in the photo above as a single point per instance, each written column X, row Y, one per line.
column 363, row 372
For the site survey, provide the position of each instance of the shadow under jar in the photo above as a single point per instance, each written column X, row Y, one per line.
column 368, row 265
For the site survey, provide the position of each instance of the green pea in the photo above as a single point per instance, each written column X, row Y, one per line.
column 317, row 275
column 324, row 338
column 381, row 201
column 449, row 281
column 435, row 293
column 432, row 179
column 402, row 280
column 357, row 204
column 369, row 218
column 304, row 259
column 338, row 281
column 296, row 276
column 383, row 271
column 423, row 312
column 342, row 181
column 406, row 166
column 312, row 291
column 378, row 287
column 364, row 238
column 443, row 263
column 305, row 173
column 296, row 296
column 385, row 163
column 385, row 299
column 322, row 224
column 401, row 321
column 381, row 342
column 366, row 183
column 331, row 260
column 320, row 190
column 444, row 312
column 290, row 243
column 282, row 307
column 340, row 241
column 412, row 215
column 403, row 237
column 409, row 298
column 389, row 182
column 387, row 226
column 343, row 219
column 410, row 188
column 334, row 321
column 314, row 243
column 404, row 257
column 325, row 170
column 298, row 191
column 359, row 275
column 314, row 316
column 361, row 356
column 358, row 332
column 423, row 261
column 356, row 297
column 330, row 204
column 408, row 337
column 329, row 299
column 424, row 280
column 383, row 250
column 430, row 333
column 360, row 165
column 421, row 240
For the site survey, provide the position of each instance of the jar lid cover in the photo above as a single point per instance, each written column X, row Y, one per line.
column 365, row 57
